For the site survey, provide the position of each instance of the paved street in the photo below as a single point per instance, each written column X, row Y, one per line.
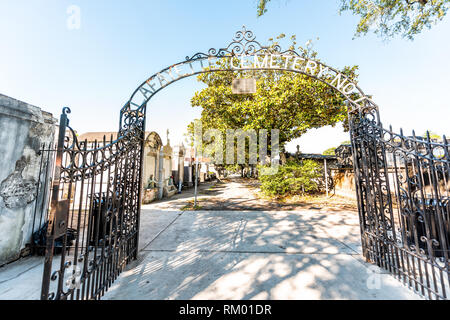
column 304, row 252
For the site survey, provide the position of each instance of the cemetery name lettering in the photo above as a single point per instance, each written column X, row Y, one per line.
column 284, row 62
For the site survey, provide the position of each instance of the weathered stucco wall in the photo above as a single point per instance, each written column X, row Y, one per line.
column 23, row 130
column 344, row 182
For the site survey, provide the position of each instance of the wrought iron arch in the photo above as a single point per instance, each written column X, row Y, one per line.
column 244, row 45
column 96, row 191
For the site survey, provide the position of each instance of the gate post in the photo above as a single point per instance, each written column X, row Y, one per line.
column 358, row 189
column 57, row 210
column 141, row 183
column 352, row 118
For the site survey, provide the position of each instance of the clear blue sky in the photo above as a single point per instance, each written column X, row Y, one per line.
column 95, row 69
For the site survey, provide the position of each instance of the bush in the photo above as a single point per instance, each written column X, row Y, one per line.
column 292, row 179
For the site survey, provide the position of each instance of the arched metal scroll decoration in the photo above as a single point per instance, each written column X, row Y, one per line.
column 243, row 46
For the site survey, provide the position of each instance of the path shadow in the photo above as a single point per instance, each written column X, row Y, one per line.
column 256, row 255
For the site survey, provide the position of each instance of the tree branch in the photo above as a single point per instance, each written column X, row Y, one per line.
column 422, row 2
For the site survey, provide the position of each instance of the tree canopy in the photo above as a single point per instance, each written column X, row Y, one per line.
column 388, row 18
column 433, row 135
column 290, row 102
column 329, row 152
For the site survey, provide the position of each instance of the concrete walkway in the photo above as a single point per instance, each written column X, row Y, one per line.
column 312, row 252
column 306, row 254
column 22, row 280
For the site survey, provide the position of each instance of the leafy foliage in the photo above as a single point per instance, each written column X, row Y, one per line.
column 262, row 4
column 332, row 151
column 392, row 17
column 433, row 135
column 290, row 102
column 329, row 152
column 292, row 179
column 388, row 18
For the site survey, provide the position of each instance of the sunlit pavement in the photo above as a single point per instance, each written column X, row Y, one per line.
column 303, row 254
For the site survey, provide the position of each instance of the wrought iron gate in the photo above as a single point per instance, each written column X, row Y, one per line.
column 95, row 207
column 403, row 186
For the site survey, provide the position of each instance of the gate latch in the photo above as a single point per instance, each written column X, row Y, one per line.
column 62, row 211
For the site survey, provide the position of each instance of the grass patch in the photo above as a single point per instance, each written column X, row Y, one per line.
column 190, row 206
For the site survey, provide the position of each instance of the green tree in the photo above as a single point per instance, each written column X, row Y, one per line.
column 332, row 151
column 433, row 135
column 292, row 179
column 290, row 102
column 388, row 18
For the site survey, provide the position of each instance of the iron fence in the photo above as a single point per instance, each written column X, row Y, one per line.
column 47, row 156
column 403, row 196
column 93, row 222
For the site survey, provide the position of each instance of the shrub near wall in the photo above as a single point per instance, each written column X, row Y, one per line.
column 293, row 178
